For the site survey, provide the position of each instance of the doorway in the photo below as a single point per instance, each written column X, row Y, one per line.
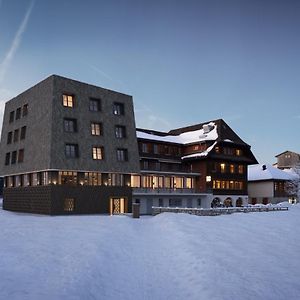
column 118, row 206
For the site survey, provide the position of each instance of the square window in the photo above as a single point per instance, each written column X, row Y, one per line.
column 68, row 100
column 25, row 110
column 71, row 150
column 21, row 156
column 14, row 157
column 11, row 116
column 7, row 158
column 98, row 153
column 120, row 132
column 122, row 155
column 9, row 137
column 95, row 104
column 16, row 135
column 69, row 204
column 118, row 108
column 96, row 129
column 18, row 113
column 70, row 125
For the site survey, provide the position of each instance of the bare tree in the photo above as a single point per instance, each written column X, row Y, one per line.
column 293, row 186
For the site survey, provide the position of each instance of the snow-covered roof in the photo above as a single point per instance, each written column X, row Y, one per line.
column 185, row 137
column 267, row 172
column 200, row 154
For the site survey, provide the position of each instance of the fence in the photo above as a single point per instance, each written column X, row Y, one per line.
column 217, row 211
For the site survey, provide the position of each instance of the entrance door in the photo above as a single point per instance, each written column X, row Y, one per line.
column 149, row 206
column 117, row 206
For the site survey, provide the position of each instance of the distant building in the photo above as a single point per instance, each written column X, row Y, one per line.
column 287, row 159
column 268, row 184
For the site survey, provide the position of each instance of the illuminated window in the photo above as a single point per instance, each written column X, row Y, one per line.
column 7, row 158
column 92, row 178
column 67, row 177
column 178, row 182
column 70, row 125
column 96, row 128
column 98, row 153
column 25, row 110
column 18, row 113
column 122, row 155
column 231, row 185
column 232, row 169
column 68, row 100
column 23, row 133
column 135, row 181
column 217, row 149
column 238, row 152
column 223, row 167
column 21, row 156
column 241, row 169
column 120, row 131
column 189, row 183
column 9, row 137
column 69, row 204
column 71, row 150
column 95, row 104
column 11, row 116
column 118, row 109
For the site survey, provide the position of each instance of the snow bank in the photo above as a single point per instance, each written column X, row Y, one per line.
column 170, row 256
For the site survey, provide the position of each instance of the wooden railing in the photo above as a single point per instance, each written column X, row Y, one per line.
column 217, row 211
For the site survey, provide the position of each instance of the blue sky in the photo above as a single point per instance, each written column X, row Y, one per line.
column 184, row 62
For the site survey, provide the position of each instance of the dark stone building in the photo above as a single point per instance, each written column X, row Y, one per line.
column 68, row 148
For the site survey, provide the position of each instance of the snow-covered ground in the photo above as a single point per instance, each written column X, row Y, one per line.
column 170, row 256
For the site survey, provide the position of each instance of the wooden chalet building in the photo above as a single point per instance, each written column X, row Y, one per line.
column 203, row 165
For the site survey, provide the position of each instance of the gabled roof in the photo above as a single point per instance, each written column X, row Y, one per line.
column 263, row 172
column 287, row 151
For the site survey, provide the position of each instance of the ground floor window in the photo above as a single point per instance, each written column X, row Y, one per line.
column 175, row 202
column 265, row 201
column 69, row 204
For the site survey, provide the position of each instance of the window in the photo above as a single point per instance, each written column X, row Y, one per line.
column 7, row 158
column 9, row 137
column 92, row 178
column 135, row 181
column 25, row 110
column 175, row 202
column 21, row 156
column 16, row 135
column 97, row 152
column 70, row 125
column 23, row 133
column 69, row 204
column 68, row 100
column 122, row 155
column 241, row 169
column 199, row 201
column 232, row 169
column 160, row 202
column 120, row 131
column 238, row 152
column 14, row 157
column 11, row 116
column 95, row 104
column 67, row 177
column 145, row 165
column 189, row 183
column 144, row 148
column 155, row 149
column 18, row 113
column 223, row 168
column 217, row 149
column 96, row 128
column 118, row 108
column 71, row 150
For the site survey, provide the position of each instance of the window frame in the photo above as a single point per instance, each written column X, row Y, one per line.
column 122, row 154
column 68, row 100
column 120, row 131
column 118, row 109
column 94, row 128
column 69, row 153
column 97, row 106
column 98, row 152
column 68, row 127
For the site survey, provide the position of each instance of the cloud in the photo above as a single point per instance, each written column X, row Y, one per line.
column 16, row 43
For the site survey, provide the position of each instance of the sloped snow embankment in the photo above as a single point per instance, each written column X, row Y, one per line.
column 170, row 256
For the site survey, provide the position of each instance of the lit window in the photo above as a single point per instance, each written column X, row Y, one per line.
column 67, row 177
column 122, row 155
column 120, row 132
column 23, row 133
column 189, row 183
column 118, row 108
column 70, row 125
column 97, row 152
column 11, row 116
column 7, row 158
column 69, row 204
column 223, row 168
column 95, row 104
column 9, row 137
column 96, row 128
column 92, row 178
column 21, row 156
column 241, row 169
column 232, row 169
column 71, row 150
column 18, row 113
column 217, row 149
column 25, row 110
column 68, row 100
column 238, row 152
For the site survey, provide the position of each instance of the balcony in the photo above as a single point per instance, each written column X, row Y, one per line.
column 163, row 191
